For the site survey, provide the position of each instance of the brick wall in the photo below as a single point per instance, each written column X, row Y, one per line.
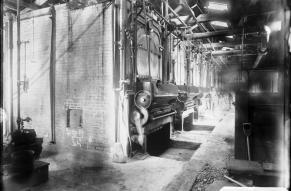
column 83, row 76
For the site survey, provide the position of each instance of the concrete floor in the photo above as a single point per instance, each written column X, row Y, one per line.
column 208, row 164
column 181, row 167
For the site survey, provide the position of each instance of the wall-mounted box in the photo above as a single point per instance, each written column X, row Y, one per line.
column 74, row 118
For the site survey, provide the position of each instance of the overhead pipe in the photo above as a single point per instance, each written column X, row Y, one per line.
column 53, row 73
column 222, row 33
column 185, row 3
column 211, row 17
column 172, row 11
column 176, row 10
column 226, row 52
column 209, row 34
column 220, row 45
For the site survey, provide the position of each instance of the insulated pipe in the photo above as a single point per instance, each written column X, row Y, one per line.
column 18, row 65
column 52, row 73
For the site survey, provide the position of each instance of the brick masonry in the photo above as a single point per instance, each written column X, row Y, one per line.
column 84, row 76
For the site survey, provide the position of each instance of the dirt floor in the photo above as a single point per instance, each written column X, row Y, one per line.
column 196, row 160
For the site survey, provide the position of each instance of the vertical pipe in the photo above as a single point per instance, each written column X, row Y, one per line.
column 149, row 54
column 122, row 22
column 165, row 38
column 3, row 59
column 11, row 70
column 115, row 66
column 133, row 42
column 162, row 8
column 121, row 62
column 188, row 65
column 18, row 65
column 52, row 72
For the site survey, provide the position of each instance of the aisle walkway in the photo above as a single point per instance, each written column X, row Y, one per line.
column 207, row 166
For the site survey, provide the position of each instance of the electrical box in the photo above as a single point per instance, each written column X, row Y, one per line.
column 74, row 118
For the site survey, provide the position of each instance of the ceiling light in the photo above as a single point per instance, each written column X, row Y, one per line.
column 217, row 6
column 219, row 23
column 231, row 36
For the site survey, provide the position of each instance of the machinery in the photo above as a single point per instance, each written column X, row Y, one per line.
column 186, row 105
column 155, row 104
column 152, row 114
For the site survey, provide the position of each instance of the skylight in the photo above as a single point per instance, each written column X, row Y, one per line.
column 217, row 6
